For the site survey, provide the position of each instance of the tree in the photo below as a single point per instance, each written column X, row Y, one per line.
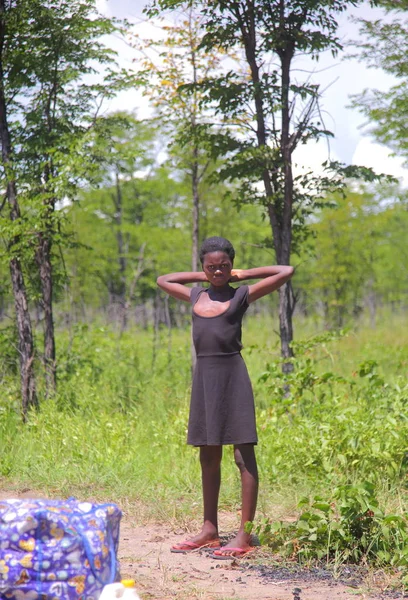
column 25, row 333
column 124, row 150
column 343, row 266
column 50, row 49
column 180, row 61
column 358, row 257
column 384, row 45
column 268, row 113
column 155, row 214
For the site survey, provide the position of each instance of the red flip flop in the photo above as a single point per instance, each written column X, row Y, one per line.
column 189, row 546
column 227, row 553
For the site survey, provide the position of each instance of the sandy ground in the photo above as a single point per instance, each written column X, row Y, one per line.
column 160, row 574
column 144, row 554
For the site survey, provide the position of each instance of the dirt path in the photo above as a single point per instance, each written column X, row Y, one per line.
column 144, row 554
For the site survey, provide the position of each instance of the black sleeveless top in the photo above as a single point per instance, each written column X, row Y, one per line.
column 221, row 334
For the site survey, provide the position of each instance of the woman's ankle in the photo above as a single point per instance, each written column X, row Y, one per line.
column 209, row 529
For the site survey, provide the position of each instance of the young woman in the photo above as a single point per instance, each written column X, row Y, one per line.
column 222, row 404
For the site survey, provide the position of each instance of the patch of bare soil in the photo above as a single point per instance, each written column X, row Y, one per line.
column 144, row 554
column 161, row 575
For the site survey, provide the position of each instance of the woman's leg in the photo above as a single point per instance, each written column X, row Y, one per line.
column 245, row 460
column 210, row 459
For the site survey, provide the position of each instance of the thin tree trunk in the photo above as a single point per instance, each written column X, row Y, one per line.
column 121, row 294
column 44, row 244
column 279, row 209
column 286, row 306
column 25, row 339
column 169, row 330
column 195, row 260
column 372, row 304
column 156, row 327
column 285, row 293
column 25, row 334
column 44, row 263
column 195, row 235
column 43, row 259
column 131, row 291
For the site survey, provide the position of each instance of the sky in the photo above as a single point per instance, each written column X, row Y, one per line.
column 339, row 78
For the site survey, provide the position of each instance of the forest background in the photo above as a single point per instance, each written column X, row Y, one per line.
column 96, row 205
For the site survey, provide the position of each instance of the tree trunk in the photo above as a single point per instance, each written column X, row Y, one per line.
column 286, row 304
column 156, row 327
column 44, row 263
column 24, row 328
column 121, row 293
column 371, row 302
column 25, row 339
column 195, row 178
column 130, row 290
column 279, row 208
column 43, row 259
column 195, row 235
column 195, row 259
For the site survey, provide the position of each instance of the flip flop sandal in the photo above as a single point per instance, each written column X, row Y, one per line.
column 189, row 546
column 230, row 553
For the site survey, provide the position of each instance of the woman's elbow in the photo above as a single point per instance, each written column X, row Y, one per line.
column 287, row 269
column 288, row 272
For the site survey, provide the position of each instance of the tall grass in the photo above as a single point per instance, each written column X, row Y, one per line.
column 116, row 428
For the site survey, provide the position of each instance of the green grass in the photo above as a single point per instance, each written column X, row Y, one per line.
column 117, row 427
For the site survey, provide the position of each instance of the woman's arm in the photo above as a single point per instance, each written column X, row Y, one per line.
column 271, row 279
column 174, row 284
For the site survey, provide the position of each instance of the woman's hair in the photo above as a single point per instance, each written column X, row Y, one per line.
column 217, row 244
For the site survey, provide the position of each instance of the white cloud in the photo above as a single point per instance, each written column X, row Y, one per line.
column 311, row 156
column 370, row 154
column 103, row 8
column 367, row 153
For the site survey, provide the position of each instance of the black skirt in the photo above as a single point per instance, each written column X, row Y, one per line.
column 222, row 403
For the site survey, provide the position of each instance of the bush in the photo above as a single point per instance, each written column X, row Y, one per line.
column 347, row 527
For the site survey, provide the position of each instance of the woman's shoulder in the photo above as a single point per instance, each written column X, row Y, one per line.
column 195, row 292
column 241, row 295
column 241, row 290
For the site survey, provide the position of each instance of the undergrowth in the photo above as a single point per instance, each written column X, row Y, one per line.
column 117, row 428
column 349, row 526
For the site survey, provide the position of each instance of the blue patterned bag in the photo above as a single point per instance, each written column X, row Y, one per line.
column 57, row 550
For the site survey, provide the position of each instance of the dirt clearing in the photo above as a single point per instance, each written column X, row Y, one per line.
column 144, row 554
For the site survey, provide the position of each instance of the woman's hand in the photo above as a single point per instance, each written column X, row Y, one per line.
column 237, row 275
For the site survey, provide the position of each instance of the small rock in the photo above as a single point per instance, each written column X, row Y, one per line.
column 296, row 593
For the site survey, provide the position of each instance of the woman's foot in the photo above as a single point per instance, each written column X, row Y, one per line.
column 207, row 538
column 241, row 540
column 225, row 553
column 238, row 547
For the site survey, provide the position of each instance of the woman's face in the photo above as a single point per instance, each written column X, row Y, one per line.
column 217, row 267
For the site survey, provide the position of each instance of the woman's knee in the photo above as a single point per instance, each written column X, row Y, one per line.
column 244, row 457
column 210, row 457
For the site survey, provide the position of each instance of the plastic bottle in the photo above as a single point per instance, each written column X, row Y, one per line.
column 130, row 592
column 124, row 589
